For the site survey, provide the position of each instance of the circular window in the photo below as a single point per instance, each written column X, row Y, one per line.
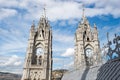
column 39, row 51
column 89, row 52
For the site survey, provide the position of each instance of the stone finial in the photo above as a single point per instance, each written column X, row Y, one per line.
column 95, row 26
column 44, row 12
column 107, row 36
column 83, row 14
column 33, row 25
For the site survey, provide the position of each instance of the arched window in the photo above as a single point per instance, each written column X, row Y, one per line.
column 85, row 32
column 89, row 54
column 43, row 32
column 40, row 60
column 88, row 39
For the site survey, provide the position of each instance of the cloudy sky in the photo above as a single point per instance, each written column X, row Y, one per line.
column 16, row 17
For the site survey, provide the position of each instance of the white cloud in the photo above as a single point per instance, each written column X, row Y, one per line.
column 56, row 10
column 7, row 13
column 7, row 3
column 62, row 40
column 18, row 63
column 61, row 10
column 64, row 10
column 73, row 22
column 12, row 64
column 14, row 60
column 13, row 41
column 69, row 65
column 61, row 36
column 60, row 63
column 68, row 52
column 57, row 60
column 107, row 7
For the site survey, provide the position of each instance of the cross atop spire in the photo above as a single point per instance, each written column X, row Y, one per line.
column 83, row 15
column 108, row 36
column 44, row 10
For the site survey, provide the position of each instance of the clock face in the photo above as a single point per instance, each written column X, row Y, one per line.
column 39, row 51
column 89, row 52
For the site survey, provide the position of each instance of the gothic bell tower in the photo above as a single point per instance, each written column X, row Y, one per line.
column 86, row 44
column 38, row 61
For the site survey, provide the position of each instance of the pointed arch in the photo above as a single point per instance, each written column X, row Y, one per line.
column 88, row 46
column 39, row 45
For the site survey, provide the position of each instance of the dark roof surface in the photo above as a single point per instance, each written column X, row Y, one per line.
column 109, row 71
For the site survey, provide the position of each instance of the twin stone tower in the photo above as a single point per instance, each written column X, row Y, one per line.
column 38, row 61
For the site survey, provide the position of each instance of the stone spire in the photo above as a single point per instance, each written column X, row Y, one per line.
column 83, row 14
column 95, row 32
column 95, row 29
column 43, row 20
column 84, row 19
column 33, row 25
column 44, row 10
column 38, row 61
column 86, row 42
column 95, row 26
column 32, row 30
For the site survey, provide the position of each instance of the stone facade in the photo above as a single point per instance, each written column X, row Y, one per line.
column 86, row 44
column 38, row 61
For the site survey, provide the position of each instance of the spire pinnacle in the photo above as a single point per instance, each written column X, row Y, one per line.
column 32, row 27
column 33, row 23
column 44, row 10
column 108, row 36
column 83, row 14
column 95, row 25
